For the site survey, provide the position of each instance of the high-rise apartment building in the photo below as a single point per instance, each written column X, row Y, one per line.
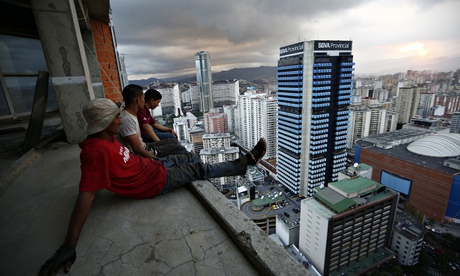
column 216, row 140
column 216, row 149
column 407, row 103
column 224, row 92
column 451, row 101
column 455, row 123
column 315, row 85
column 345, row 223
column 204, row 80
column 257, row 118
column 171, row 98
column 215, row 122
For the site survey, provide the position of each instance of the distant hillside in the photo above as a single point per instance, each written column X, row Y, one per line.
column 252, row 74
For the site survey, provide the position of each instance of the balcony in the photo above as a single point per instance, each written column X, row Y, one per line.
column 191, row 231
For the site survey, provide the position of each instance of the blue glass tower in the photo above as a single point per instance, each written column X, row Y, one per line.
column 315, row 86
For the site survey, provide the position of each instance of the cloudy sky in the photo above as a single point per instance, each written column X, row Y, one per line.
column 160, row 38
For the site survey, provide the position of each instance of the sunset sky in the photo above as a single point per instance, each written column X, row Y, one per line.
column 160, row 38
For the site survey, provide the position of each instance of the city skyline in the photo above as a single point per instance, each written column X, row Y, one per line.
column 163, row 39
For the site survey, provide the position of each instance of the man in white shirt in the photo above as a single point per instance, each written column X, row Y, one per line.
column 129, row 130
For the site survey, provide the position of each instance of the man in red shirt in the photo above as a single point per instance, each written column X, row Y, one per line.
column 151, row 130
column 105, row 163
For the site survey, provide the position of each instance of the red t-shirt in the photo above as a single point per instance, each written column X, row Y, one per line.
column 108, row 164
column 144, row 117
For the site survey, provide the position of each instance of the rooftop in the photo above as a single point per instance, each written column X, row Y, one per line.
column 399, row 150
column 194, row 231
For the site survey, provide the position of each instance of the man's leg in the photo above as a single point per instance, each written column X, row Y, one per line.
column 167, row 147
column 179, row 159
column 178, row 176
column 164, row 135
column 147, row 139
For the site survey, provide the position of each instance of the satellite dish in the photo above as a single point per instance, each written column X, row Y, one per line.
column 355, row 165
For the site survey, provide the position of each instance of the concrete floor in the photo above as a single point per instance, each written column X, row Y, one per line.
column 172, row 234
column 191, row 231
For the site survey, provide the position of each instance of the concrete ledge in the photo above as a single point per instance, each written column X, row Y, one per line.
column 8, row 176
column 267, row 257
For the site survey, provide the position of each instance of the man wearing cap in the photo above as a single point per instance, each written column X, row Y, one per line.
column 105, row 163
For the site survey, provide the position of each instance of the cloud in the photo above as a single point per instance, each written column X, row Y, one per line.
column 160, row 38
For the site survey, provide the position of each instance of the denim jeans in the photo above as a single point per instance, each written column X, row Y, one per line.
column 161, row 135
column 167, row 147
column 183, row 169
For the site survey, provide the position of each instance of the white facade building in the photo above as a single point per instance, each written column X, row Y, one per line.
column 171, row 98
column 257, row 118
column 218, row 155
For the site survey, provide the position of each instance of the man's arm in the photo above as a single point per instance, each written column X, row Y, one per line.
column 79, row 214
column 136, row 145
column 66, row 255
column 148, row 129
column 165, row 129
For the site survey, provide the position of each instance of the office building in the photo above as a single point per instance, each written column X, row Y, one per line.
column 204, row 80
column 315, row 85
column 346, row 223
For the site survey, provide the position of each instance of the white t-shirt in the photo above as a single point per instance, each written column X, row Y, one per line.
column 129, row 126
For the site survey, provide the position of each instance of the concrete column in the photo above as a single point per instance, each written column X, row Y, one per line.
column 93, row 63
column 60, row 35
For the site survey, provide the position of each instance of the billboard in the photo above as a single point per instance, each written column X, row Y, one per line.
column 396, row 182
column 327, row 45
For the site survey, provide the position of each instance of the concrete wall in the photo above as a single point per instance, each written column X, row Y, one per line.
column 430, row 189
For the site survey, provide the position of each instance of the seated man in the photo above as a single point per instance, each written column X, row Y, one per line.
column 130, row 134
column 105, row 163
column 151, row 130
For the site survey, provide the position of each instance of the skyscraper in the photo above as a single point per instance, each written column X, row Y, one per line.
column 314, row 91
column 204, row 80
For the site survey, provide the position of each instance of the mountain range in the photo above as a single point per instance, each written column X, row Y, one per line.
column 264, row 74
column 251, row 74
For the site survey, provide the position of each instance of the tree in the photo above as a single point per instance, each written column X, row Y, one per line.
column 397, row 271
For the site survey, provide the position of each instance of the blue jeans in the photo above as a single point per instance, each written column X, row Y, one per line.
column 166, row 147
column 184, row 168
column 161, row 135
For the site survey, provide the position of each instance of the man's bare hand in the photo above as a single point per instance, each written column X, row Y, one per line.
column 65, row 256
